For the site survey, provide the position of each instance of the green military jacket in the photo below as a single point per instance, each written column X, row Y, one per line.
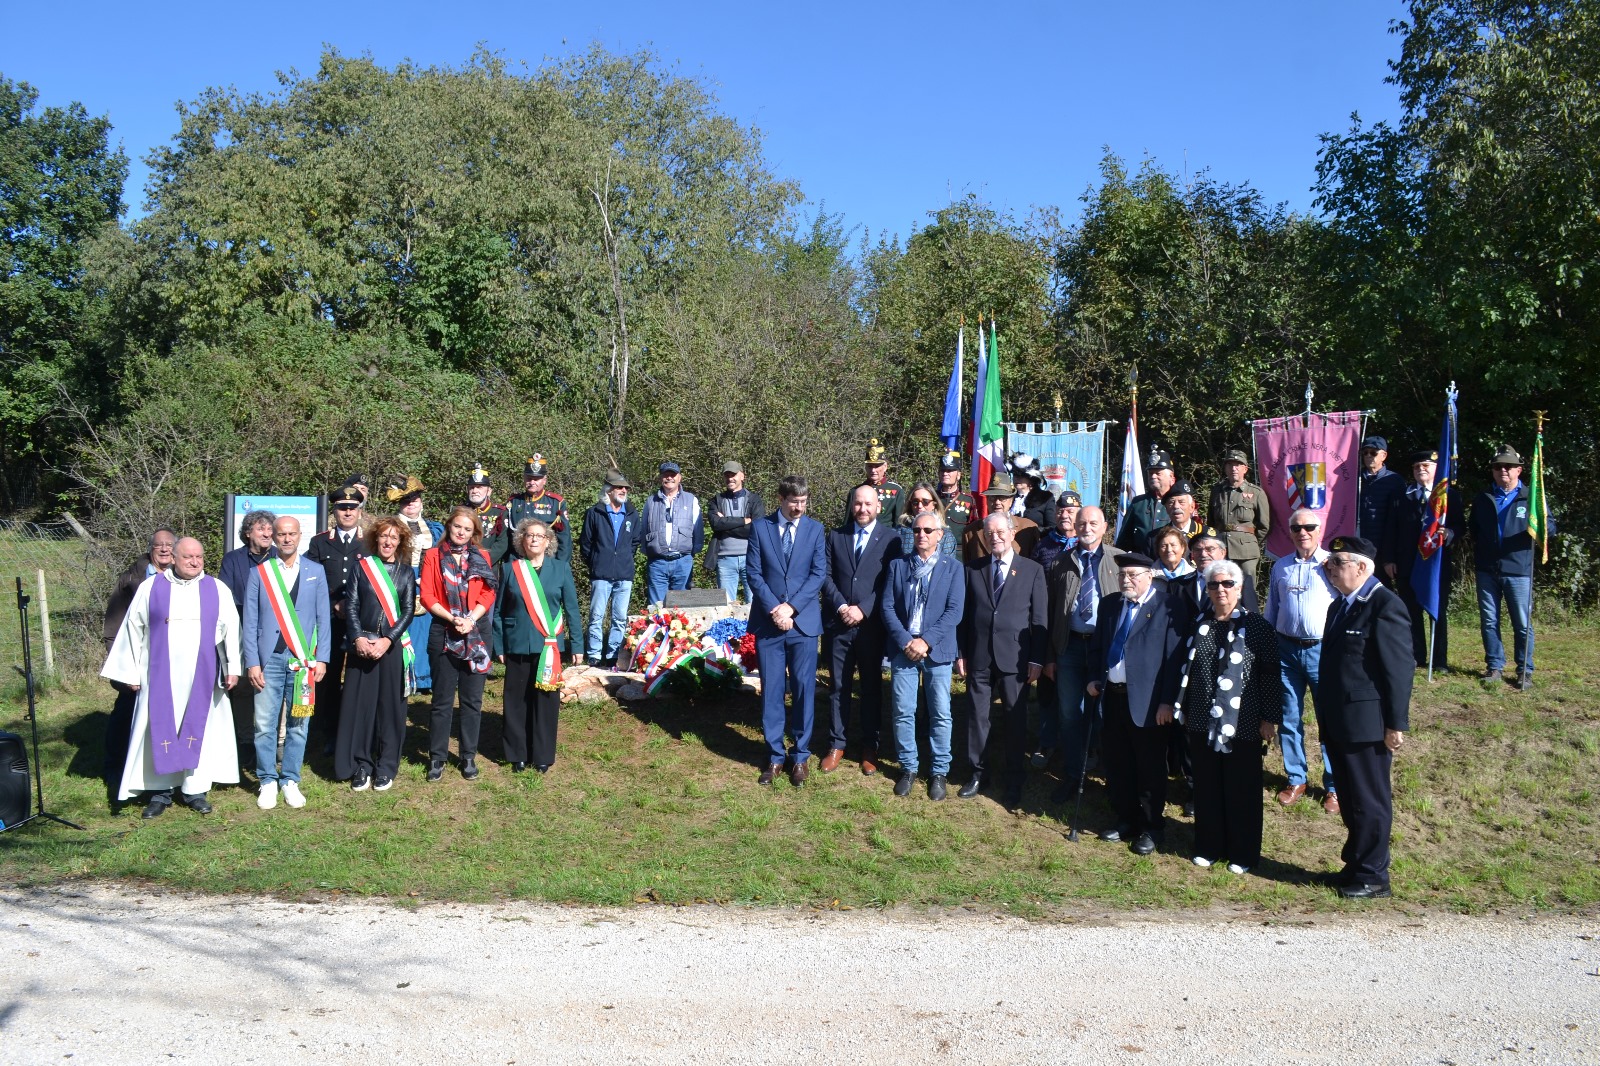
column 1243, row 518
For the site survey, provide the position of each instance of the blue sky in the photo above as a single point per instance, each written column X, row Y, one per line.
column 881, row 112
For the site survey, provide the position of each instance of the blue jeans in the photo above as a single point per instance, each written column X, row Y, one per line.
column 1077, row 726
column 1518, row 594
column 1298, row 667
column 662, row 575
column 935, row 678
column 730, row 575
column 616, row 595
column 269, row 705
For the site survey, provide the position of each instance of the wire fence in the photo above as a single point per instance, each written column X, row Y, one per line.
column 66, row 577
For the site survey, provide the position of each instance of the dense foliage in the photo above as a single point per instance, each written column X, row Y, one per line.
column 405, row 270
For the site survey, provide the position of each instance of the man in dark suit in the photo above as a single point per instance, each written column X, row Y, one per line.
column 1364, row 699
column 858, row 555
column 339, row 551
column 1399, row 556
column 1205, row 548
column 1133, row 658
column 786, row 566
column 1004, row 645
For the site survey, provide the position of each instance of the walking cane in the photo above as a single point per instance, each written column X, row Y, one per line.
column 1083, row 776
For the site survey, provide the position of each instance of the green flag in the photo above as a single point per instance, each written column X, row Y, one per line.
column 1538, row 505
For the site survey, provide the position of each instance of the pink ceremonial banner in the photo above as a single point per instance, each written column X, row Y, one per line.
column 1311, row 461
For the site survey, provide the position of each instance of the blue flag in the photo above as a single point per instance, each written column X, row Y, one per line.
column 1427, row 576
column 950, row 430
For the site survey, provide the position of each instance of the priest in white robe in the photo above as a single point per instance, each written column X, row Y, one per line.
column 179, row 648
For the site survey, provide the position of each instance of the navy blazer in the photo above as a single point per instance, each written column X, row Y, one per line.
column 857, row 583
column 799, row 585
column 941, row 615
column 1009, row 635
column 1365, row 673
column 259, row 625
column 1151, row 654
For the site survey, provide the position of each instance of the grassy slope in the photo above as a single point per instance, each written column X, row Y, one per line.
column 1496, row 801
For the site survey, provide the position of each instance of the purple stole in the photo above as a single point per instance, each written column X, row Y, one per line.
column 170, row 754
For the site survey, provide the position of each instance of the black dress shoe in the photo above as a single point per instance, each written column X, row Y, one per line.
column 1115, row 834
column 197, row 803
column 770, row 773
column 971, row 788
column 1013, row 798
column 1364, row 891
column 902, row 787
column 1188, row 809
column 1143, row 844
column 469, row 768
column 938, row 788
column 519, row 767
column 435, row 769
column 157, row 806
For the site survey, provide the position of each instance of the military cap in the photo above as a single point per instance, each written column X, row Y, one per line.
column 357, row 479
column 345, row 496
column 1354, row 546
column 479, row 475
column 411, row 487
column 536, row 466
column 1179, row 488
column 1001, row 485
column 1235, row 455
column 1159, row 460
column 950, row 460
column 1069, row 498
column 1423, row 455
column 1208, row 533
column 875, row 452
column 1133, row 559
column 615, row 480
column 1506, row 456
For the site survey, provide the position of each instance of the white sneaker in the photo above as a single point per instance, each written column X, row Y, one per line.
column 1235, row 868
column 292, row 795
column 1201, row 861
column 268, row 798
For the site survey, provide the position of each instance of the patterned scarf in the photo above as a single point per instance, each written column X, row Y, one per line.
column 458, row 569
column 1227, row 667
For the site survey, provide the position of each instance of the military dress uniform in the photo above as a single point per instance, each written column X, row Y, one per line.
column 547, row 507
column 959, row 507
column 891, row 495
column 340, row 558
column 1146, row 512
column 494, row 518
column 1243, row 516
column 1406, row 521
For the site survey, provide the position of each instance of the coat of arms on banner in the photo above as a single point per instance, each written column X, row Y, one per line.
column 1307, row 485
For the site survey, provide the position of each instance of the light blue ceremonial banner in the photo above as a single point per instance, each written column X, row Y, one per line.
column 1071, row 454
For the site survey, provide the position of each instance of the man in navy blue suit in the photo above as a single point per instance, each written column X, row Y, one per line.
column 859, row 553
column 1134, row 669
column 786, row 566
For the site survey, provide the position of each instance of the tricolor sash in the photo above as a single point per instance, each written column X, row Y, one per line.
column 302, row 653
column 168, row 753
column 549, row 622
column 378, row 577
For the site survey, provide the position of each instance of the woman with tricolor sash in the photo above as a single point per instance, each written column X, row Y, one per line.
column 458, row 589
column 378, row 607
column 533, row 625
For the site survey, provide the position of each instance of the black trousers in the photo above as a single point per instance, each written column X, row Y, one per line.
column 450, row 676
column 119, row 734
column 1227, row 800
column 531, row 714
column 1135, row 762
column 855, row 657
column 983, row 686
column 330, row 698
column 1419, row 625
column 1366, row 803
column 1179, row 761
column 372, row 718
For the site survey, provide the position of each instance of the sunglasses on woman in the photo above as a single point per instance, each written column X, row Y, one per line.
column 1225, row 583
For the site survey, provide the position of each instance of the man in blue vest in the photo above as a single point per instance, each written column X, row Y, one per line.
column 673, row 535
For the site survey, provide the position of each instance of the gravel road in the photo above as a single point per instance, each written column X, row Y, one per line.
column 102, row 975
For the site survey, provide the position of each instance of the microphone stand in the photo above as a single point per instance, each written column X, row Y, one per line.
column 26, row 669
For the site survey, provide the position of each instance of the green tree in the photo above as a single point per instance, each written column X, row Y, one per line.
column 60, row 183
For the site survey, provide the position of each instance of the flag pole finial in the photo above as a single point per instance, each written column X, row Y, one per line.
column 1057, row 399
column 1310, row 392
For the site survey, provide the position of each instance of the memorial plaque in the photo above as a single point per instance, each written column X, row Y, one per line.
column 682, row 598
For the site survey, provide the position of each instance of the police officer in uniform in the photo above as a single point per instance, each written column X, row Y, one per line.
column 547, row 507
column 495, row 519
column 891, row 497
column 1239, row 509
column 339, row 551
column 958, row 505
column 1147, row 513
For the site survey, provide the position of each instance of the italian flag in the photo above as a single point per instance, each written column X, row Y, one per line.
column 988, row 436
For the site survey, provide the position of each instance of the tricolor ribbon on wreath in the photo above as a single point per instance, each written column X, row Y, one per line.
column 302, row 652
